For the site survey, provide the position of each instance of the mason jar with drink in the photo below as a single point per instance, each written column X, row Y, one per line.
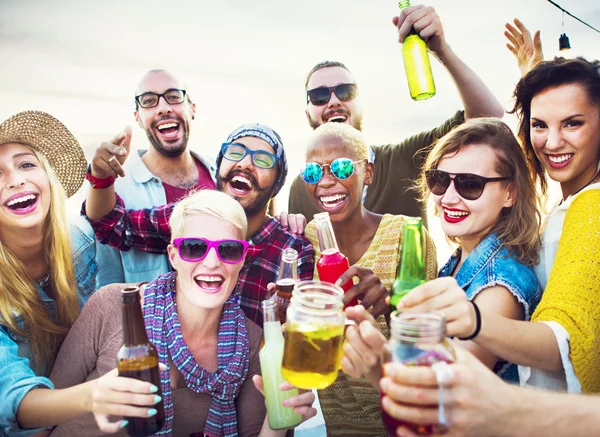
column 314, row 335
column 416, row 340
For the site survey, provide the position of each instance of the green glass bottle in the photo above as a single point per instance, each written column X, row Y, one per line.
column 416, row 64
column 271, row 356
column 412, row 271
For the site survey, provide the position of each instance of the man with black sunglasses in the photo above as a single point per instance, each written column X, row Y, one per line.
column 251, row 168
column 332, row 96
column 162, row 174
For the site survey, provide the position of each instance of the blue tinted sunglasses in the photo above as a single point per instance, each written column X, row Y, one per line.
column 341, row 168
column 236, row 152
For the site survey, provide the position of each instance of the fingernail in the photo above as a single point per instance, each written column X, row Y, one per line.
column 153, row 389
column 152, row 412
column 121, row 152
column 338, row 282
column 124, row 423
column 157, row 399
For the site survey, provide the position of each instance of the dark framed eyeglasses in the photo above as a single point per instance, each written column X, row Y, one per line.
column 341, row 168
column 172, row 96
column 468, row 186
column 196, row 249
column 260, row 158
column 321, row 96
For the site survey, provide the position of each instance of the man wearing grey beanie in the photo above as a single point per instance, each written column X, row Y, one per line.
column 251, row 168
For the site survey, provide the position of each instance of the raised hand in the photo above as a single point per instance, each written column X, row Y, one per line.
column 527, row 51
column 295, row 223
column 426, row 22
column 111, row 155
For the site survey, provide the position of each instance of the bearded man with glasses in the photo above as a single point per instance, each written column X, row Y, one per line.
column 164, row 173
column 332, row 96
column 251, row 168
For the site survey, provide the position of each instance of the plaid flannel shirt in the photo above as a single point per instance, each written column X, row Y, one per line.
column 148, row 230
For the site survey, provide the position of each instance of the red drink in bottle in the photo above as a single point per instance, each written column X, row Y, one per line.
column 332, row 263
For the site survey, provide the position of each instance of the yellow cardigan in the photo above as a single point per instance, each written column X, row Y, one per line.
column 572, row 296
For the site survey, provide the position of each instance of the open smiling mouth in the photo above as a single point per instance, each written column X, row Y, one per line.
column 336, row 118
column 209, row 282
column 168, row 130
column 241, row 184
column 333, row 201
column 23, row 203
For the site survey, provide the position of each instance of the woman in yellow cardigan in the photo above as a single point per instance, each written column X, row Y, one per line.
column 558, row 104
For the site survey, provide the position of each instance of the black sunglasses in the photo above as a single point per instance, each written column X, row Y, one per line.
column 320, row 96
column 468, row 186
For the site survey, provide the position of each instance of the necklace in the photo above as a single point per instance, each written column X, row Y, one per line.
column 589, row 183
column 43, row 283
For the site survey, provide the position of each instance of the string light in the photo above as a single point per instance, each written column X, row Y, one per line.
column 563, row 40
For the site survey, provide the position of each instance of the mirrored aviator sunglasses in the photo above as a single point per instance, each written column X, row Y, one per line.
column 468, row 186
column 321, row 96
column 196, row 249
column 341, row 168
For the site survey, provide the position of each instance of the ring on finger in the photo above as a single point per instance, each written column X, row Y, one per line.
column 112, row 159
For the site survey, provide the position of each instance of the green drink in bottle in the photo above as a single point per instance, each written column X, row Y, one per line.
column 416, row 64
column 412, row 271
column 271, row 356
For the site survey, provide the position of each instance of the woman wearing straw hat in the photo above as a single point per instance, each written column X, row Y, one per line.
column 47, row 268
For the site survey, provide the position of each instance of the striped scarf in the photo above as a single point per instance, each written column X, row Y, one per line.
column 164, row 331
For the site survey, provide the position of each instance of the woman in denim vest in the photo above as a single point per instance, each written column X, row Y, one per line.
column 47, row 266
column 483, row 193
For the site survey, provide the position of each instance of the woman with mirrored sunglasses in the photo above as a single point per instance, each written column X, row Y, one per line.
column 193, row 317
column 335, row 173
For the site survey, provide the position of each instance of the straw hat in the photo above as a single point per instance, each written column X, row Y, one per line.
column 48, row 136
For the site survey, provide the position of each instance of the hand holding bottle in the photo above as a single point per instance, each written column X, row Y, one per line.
column 426, row 23
column 445, row 296
column 302, row 403
column 113, row 395
column 369, row 289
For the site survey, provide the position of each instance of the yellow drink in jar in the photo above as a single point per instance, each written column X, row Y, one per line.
column 312, row 354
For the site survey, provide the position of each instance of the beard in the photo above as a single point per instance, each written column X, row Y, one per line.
column 172, row 151
column 356, row 124
column 261, row 199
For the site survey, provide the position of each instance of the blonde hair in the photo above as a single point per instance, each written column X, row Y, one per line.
column 344, row 133
column 213, row 203
column 18, row 292
column 517, row 227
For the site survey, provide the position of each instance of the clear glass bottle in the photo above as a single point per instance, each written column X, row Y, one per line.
column 332, row 263
column 417, row 64
column 412, row 272
column 271, row 356
column 416, row 340
column 286, row 279
column 314, row 334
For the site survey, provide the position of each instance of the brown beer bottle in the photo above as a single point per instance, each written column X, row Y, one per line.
column 138, row 359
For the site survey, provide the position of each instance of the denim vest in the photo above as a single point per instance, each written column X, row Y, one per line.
column 492, row 264
column 18, row 372
column 139, row 189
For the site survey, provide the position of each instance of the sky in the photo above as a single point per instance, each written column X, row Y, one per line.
column 246, row 61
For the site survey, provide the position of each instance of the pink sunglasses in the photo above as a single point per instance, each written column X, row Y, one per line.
column 196, row 249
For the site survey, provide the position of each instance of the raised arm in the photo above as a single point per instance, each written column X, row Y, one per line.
column 145, row 229
column 476, row 97
column 528, row 51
